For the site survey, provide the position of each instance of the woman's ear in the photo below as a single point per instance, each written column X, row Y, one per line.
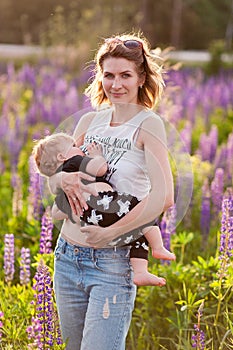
column 142, row 79
column 61, row 157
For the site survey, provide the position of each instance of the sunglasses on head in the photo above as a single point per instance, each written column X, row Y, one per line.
column 129, row 44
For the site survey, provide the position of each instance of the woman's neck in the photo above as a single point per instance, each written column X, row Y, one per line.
column 124, row 112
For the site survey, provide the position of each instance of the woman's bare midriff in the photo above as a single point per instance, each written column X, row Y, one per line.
column 71, row 233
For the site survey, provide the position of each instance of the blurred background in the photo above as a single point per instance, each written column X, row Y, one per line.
column 44, row 47
column 182, row 24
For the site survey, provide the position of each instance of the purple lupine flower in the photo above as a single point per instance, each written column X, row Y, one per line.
column 205, row 210
column 204, row 147
column 46, row 234
column 217, row 186
column 34, row 198
column 25, row 262
column 35, row 334
column 198, row 338
column 41, row 329
column 9, row 257
column 1, row 324
column 221, row 156
column 27, row 75
column 208, row 145
column 186, row 136
column 226, row 238
column 166, row 234
column 171, row 219
column 213, row 136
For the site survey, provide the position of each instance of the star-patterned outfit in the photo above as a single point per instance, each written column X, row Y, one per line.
column 104, row 209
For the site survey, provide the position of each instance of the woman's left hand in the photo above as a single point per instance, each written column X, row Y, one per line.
column 98, row 237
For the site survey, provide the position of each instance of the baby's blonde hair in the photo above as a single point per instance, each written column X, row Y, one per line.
column 46, row 150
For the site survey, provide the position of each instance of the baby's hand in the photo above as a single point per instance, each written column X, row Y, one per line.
column 94, row 149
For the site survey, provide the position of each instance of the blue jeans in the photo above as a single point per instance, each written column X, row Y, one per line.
column 94, row 295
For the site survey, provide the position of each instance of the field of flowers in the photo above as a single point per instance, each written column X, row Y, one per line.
column 195, row 309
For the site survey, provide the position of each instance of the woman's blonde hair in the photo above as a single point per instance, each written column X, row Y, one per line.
column 145, row 63
column 46, row 150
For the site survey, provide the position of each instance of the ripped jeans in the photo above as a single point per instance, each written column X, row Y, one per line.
column 94, row 295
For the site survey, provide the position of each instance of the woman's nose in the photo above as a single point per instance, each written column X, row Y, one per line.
column 116, row 83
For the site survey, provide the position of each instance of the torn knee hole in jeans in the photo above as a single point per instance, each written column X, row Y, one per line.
column 106, row 308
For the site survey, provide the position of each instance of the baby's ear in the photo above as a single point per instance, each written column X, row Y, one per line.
column 61, row 157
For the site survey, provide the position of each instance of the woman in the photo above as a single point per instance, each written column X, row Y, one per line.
column 93, row 282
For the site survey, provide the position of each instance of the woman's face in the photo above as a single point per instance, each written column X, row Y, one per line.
column 120, row 80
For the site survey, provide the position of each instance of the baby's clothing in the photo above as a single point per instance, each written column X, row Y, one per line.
column 104, row 209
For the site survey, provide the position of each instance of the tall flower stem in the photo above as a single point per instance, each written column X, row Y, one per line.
column 226, row 247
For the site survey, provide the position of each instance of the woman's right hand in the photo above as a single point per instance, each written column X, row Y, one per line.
column 71, row 184
column 74, row 188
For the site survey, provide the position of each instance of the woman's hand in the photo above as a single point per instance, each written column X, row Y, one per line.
column 72, row 185
column 98, row 237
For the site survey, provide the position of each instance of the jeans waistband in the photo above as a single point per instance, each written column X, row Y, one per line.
column 92, row 252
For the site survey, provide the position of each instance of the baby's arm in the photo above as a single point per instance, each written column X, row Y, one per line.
column 97, row 165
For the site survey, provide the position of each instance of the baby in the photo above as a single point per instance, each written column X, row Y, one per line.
column 58, row 152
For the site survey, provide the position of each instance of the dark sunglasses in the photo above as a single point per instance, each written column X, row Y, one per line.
column 130, row 44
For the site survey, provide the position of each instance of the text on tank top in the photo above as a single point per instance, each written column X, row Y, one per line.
column 127, row 171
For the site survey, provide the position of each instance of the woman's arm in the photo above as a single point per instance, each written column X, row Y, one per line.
column 57, row 214
column 71, row 183
column 152, row 139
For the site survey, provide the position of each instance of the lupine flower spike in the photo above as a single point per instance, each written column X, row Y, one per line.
column 25, row 262
column 34, row 198
column 226, row 238
column 9, row 257
column 41, row 331
column 198, row 338
column 46, row 232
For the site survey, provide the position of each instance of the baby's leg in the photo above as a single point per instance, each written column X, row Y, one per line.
column 139, row 260
column 99, row 187
column 141, row 275
column 154, row 237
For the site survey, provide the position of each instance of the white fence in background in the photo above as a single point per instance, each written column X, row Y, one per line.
column 22, row 51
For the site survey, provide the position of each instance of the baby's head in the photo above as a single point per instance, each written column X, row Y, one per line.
column 51, row 151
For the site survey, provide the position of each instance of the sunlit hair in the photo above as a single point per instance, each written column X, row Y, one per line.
column 145, row 63
column 46, row 150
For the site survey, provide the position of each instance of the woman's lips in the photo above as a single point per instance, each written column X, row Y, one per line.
column 117, row 94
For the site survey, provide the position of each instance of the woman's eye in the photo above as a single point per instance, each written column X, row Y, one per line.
column 125, row 75
column 108, row 76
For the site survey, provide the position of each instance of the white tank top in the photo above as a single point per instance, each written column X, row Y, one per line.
column 126, row 163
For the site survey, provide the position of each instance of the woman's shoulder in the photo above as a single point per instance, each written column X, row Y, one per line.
column 83, row 124
column 88, row 120
column 87, row 117
column 153, row 125
column 152, row 118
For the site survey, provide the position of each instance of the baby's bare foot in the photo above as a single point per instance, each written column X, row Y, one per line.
column 147, row 279
column 163, row 253
column 94, row 149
